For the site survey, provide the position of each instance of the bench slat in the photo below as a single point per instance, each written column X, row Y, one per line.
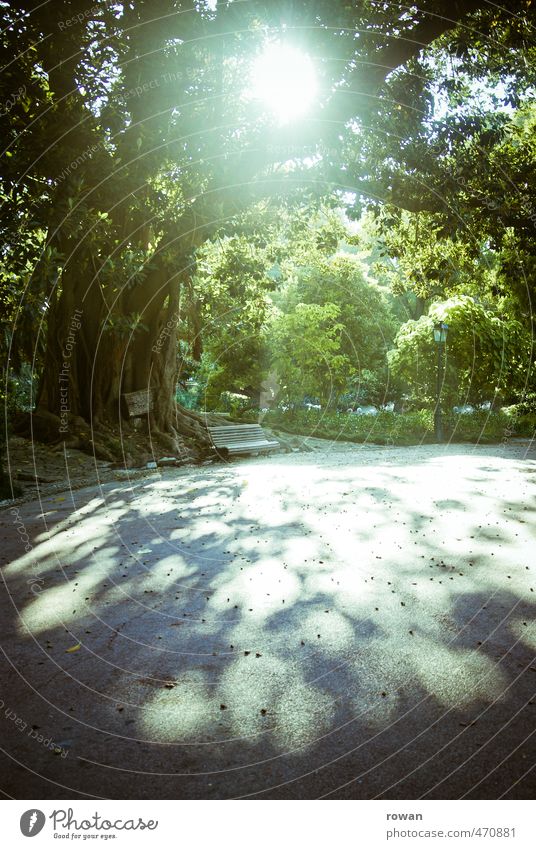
column 228, row 430
column 244, row 442
column 238, row 435
column 249, row 444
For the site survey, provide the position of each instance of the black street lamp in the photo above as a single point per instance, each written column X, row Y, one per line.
column 440, row 337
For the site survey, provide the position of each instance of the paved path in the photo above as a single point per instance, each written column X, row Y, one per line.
column 352, row 623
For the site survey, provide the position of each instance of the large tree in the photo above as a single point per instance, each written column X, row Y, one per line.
column 129, row 145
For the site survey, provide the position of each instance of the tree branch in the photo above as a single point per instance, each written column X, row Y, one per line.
column 399, row 50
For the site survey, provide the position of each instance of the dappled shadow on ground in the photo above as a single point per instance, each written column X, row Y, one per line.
column 276, row 629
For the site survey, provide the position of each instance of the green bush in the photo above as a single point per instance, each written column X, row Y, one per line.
column 478, row 426
column 385, row 428
column 233, row 403
column 520, row 424
column 526, row 407
column 389, row 428
column 526, row 425
column 188, row 397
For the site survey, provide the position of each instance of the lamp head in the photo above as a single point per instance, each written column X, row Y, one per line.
column 440, row 332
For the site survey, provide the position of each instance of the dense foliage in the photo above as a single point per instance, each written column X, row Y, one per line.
column 159, row 221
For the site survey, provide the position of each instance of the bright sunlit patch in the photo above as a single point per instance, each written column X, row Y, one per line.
column 284, row 79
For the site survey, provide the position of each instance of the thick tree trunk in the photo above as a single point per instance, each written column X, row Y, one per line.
column 169, row 420
column 88, row 366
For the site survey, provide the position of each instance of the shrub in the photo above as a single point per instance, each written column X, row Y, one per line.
column 390, row 428
column 525, row 407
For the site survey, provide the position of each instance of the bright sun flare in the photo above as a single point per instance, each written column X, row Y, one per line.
column 284, row 78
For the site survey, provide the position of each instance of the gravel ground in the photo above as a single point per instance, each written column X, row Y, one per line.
column 352, row 622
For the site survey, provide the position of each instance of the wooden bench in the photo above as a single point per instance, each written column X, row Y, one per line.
column 240, row 439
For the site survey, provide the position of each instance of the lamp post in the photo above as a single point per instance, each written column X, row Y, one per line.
column 440, row 337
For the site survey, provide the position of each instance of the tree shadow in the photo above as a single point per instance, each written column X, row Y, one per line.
column 240, row 632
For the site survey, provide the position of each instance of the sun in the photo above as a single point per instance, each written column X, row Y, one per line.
column 284, row 79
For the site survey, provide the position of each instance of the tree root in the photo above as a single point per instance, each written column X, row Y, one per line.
column 183, row 434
